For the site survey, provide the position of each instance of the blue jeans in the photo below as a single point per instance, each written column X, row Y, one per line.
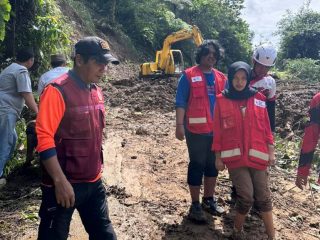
column 8, row 138
column 91, row 203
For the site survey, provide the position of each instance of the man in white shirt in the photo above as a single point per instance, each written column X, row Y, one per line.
column 58, row 63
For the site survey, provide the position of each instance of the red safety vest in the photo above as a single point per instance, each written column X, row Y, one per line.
column 244, row 139
column 198, row 117
column 79, row 136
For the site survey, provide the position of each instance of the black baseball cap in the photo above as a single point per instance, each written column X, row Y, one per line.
column 97, row 48
column 58, row 58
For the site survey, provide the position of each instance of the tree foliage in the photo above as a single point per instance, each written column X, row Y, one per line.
column 300, row 34
column 148, row 22
column 5, row 9
column 303, row 69
column 37, row 24
column 220, row 19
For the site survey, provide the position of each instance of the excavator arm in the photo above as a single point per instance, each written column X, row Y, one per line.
column 176, row 37
column 165, row 59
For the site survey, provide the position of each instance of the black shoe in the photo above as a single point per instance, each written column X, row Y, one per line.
column 238, row 235
column 210, row 205
column 233, row 196
column 196, row 214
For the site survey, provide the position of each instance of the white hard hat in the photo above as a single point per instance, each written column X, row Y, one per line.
column 265, row 54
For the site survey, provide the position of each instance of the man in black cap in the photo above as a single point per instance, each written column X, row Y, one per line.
column 69, row 129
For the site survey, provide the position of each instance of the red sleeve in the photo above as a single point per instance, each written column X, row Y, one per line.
column 311, row 137
column 51, row 111
column 216, row 146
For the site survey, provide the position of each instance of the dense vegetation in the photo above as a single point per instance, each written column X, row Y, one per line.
column 37, row 24
column 145, row 22
column 148, row 22
column 5, row 9
column 300, row 44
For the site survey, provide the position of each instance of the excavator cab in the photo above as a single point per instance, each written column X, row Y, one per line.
column 178, row 61
column 174, row 65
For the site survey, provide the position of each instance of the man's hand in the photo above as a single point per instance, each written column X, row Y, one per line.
column 301, row 181
column 180, row 132
column 220, row 166
column 63, row 189
column 30, row 102
column 64, row 193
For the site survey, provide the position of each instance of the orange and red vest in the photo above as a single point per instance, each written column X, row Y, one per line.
column 244, row 140
column 79, row 136
column 198, row 117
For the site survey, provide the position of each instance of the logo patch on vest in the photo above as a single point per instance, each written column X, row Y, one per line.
column 196, row 79
column 259, row 103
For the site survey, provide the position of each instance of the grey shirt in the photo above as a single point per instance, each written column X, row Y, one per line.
column 14, row 80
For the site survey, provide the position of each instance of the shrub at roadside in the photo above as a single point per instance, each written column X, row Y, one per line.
column 303, row 69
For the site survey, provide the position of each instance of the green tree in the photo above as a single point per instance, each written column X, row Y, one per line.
column 220, row 19
column 35, row 23
column 148, row 22
column 5, row 9
column 300, row 34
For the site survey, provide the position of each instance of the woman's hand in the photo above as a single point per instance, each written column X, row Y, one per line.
column 272, row 159
column 220, row 166
column 180, row 132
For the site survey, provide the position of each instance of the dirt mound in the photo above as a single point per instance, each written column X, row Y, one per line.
column 141, row 95
column 293, row 98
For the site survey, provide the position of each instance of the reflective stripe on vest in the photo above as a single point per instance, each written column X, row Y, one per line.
column 230, row 153
column 258, row 154
column 197, row 120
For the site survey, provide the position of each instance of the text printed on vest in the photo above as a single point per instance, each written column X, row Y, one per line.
column 196, row 79
column 259, row 103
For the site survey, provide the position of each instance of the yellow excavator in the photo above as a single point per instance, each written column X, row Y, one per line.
column 169, row 62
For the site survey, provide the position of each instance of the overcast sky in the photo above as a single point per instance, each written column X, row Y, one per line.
column 263, row 16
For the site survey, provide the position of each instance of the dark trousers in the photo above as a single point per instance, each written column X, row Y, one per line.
column 202, row 158
column 90, row 201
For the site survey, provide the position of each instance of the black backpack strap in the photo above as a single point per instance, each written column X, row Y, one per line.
column 60, row 90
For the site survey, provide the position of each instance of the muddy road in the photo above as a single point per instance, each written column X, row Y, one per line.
column 145, row 173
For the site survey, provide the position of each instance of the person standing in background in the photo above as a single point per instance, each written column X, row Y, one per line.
column 15, row 91
column 59, row 67
column 309, row 144
column 195, row 100
column 58, row 64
